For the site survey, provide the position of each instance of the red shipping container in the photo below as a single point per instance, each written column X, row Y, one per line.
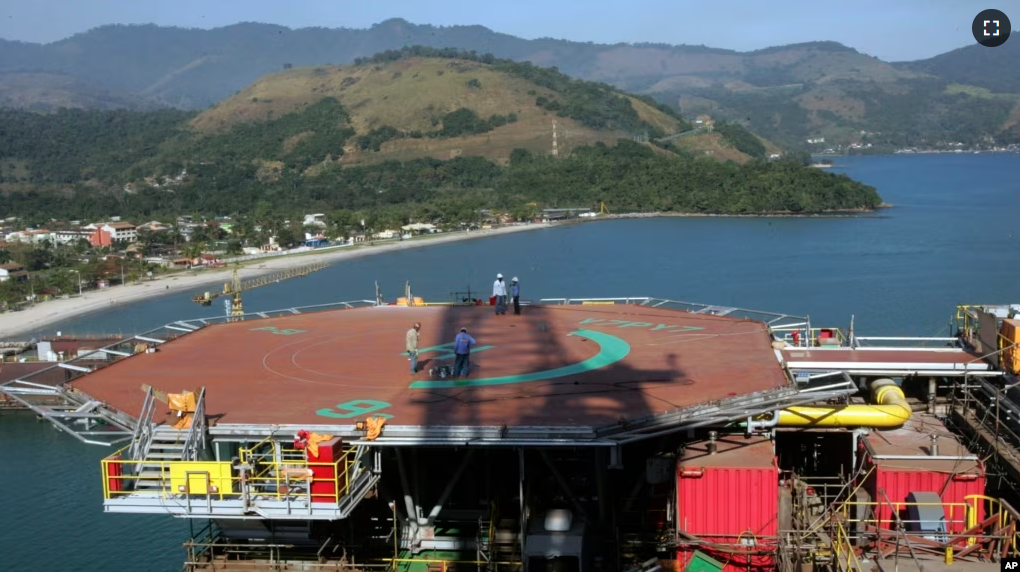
column 326, row 478
column 954, row 479
column 114, row 470
column 729, row 497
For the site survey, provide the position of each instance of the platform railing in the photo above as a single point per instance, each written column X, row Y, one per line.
column 956, row 514
column 144, row 429
column 194, row 443
column 274, row 479
column 810, row 337
column 992, row 409
column 441, row 565
column 966, row 528
column 773, row 319
column 844, row 549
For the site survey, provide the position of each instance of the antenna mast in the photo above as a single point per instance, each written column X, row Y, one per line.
column 555, row 151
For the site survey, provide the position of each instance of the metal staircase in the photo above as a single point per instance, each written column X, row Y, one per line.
column 154, row 445
column 165, row 444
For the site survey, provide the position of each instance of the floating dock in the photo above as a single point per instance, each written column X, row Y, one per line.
column 592, row 434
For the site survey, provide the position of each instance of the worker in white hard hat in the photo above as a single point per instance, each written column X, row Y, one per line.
column 515, row 295
column 499, row 292
column 411, row 345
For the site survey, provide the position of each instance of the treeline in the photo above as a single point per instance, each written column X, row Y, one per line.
column 78, row 145
column 741, row 139
column 919, row 111
column 287, row 164
column 627, row 177
column 457, row 123
column 595, row 105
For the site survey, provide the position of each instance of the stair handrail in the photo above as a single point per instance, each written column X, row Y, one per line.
column 194, row 443
column 141, row 440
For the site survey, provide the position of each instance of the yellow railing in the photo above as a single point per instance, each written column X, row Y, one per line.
column 273, row 477
column 1009, row 354
column 845, row 551
column 956, row 513
column 1005, row 517
column 440, row 564
column 965, row 523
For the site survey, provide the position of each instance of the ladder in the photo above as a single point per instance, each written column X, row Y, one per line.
column 167, row 444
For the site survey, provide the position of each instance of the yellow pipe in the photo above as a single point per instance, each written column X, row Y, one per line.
column 890, row 410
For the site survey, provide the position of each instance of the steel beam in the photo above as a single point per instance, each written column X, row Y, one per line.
column 412, row 518
column 448, row 490
column 564, row 485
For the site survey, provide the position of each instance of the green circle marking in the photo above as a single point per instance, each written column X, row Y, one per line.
column 611, row 350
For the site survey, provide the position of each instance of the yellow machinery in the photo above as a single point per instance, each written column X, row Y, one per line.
column 235, row 286
column 602, row 209
column 890, row 410
column 232, row 289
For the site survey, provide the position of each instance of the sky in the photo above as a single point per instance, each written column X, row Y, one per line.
column 893, row 30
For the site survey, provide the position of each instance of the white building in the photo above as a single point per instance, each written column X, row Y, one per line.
column 121, row 231
column 317, row 219
column 70, row 236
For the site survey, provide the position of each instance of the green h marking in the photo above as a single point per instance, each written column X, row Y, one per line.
column 356, row 408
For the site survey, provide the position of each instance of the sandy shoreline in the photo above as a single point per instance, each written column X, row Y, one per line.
column 14, row 325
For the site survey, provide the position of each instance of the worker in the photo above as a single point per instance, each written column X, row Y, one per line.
column 462, row 349
column 412, row 346
column 515, row 295
column 499, row 291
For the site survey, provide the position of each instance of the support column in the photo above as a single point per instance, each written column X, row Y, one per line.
column 416, row 480
column 600, row 482
column 449, row 488
column 564, row 485
column 524, row 515
column 408, row 501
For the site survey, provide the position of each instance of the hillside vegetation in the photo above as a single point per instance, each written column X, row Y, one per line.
column 785, row 93
column 419, row 102
column 292, row 144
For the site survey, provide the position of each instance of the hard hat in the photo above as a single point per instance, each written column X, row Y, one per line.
column 499, row 276
column 514, row 279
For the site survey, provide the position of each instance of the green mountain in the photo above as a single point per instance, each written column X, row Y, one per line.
column 417, row 134
column 787, row 93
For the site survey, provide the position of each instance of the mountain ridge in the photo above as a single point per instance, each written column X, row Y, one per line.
column 820, row 89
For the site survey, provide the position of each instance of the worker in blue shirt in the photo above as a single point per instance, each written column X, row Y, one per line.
column 515, row 295
column 462, row 349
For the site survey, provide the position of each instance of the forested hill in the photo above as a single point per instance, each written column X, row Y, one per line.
column 337, row 152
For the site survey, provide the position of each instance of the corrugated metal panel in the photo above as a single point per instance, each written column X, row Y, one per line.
column 725, row 502
column 899, row 484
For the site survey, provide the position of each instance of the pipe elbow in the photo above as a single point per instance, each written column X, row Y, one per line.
column 758, row 424
column 890, row 410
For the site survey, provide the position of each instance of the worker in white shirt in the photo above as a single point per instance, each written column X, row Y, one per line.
column 499, row 291
column 412, row 346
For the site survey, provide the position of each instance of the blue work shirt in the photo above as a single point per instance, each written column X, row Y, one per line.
column 515, row 290
column 462, row 344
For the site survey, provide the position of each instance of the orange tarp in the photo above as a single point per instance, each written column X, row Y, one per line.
column 313, row 443
column 374, row 427
column 184, row 404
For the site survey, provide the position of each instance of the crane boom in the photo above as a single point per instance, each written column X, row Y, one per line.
column 236, row 286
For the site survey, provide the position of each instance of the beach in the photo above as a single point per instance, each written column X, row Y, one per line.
column 17, row 324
